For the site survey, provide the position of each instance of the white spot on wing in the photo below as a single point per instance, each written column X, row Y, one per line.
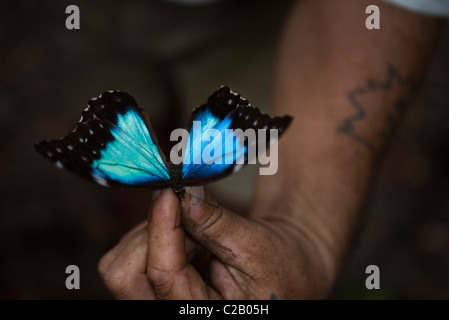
column 100, row 180
column 59, row 164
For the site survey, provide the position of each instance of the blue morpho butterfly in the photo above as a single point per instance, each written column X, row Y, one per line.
column 113, row 144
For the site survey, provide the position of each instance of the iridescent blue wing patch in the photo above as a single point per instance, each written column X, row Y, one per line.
column 112, row 145
column 224, row 112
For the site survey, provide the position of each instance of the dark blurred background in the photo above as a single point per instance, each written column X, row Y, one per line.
column 171, row 57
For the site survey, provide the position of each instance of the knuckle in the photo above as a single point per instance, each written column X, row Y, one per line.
column 161, row 281
column 102, row 266
column 104, row 263
column 211, row 223
column 117, row 281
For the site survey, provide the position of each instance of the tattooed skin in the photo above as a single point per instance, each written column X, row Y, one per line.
column 362, row 126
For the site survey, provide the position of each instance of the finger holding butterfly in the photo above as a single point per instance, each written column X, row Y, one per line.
column 245, row 252
column 124, row 267
column 168, row 270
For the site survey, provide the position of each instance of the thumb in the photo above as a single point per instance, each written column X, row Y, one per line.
column 222, row 232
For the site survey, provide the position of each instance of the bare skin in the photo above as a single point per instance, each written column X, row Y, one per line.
column 347, row 89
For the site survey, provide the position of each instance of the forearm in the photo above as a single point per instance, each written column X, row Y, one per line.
column 347, row 88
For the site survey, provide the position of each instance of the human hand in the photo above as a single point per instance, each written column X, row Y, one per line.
column 197, row 249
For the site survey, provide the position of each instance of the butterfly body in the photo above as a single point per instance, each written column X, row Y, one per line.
column 114, row 144
column 178, row 189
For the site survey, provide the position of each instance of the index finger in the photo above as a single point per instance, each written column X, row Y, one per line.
column 165, row 235
column 168, row 271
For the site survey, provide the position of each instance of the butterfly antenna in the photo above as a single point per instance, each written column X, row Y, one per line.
column 210, row 204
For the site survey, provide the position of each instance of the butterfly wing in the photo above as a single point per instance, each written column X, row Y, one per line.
column 224, row 110
column 112, row 145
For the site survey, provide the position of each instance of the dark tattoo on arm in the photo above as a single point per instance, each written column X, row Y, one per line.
column 354, row 126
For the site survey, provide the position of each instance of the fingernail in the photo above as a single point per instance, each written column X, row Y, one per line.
column 155, row 194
